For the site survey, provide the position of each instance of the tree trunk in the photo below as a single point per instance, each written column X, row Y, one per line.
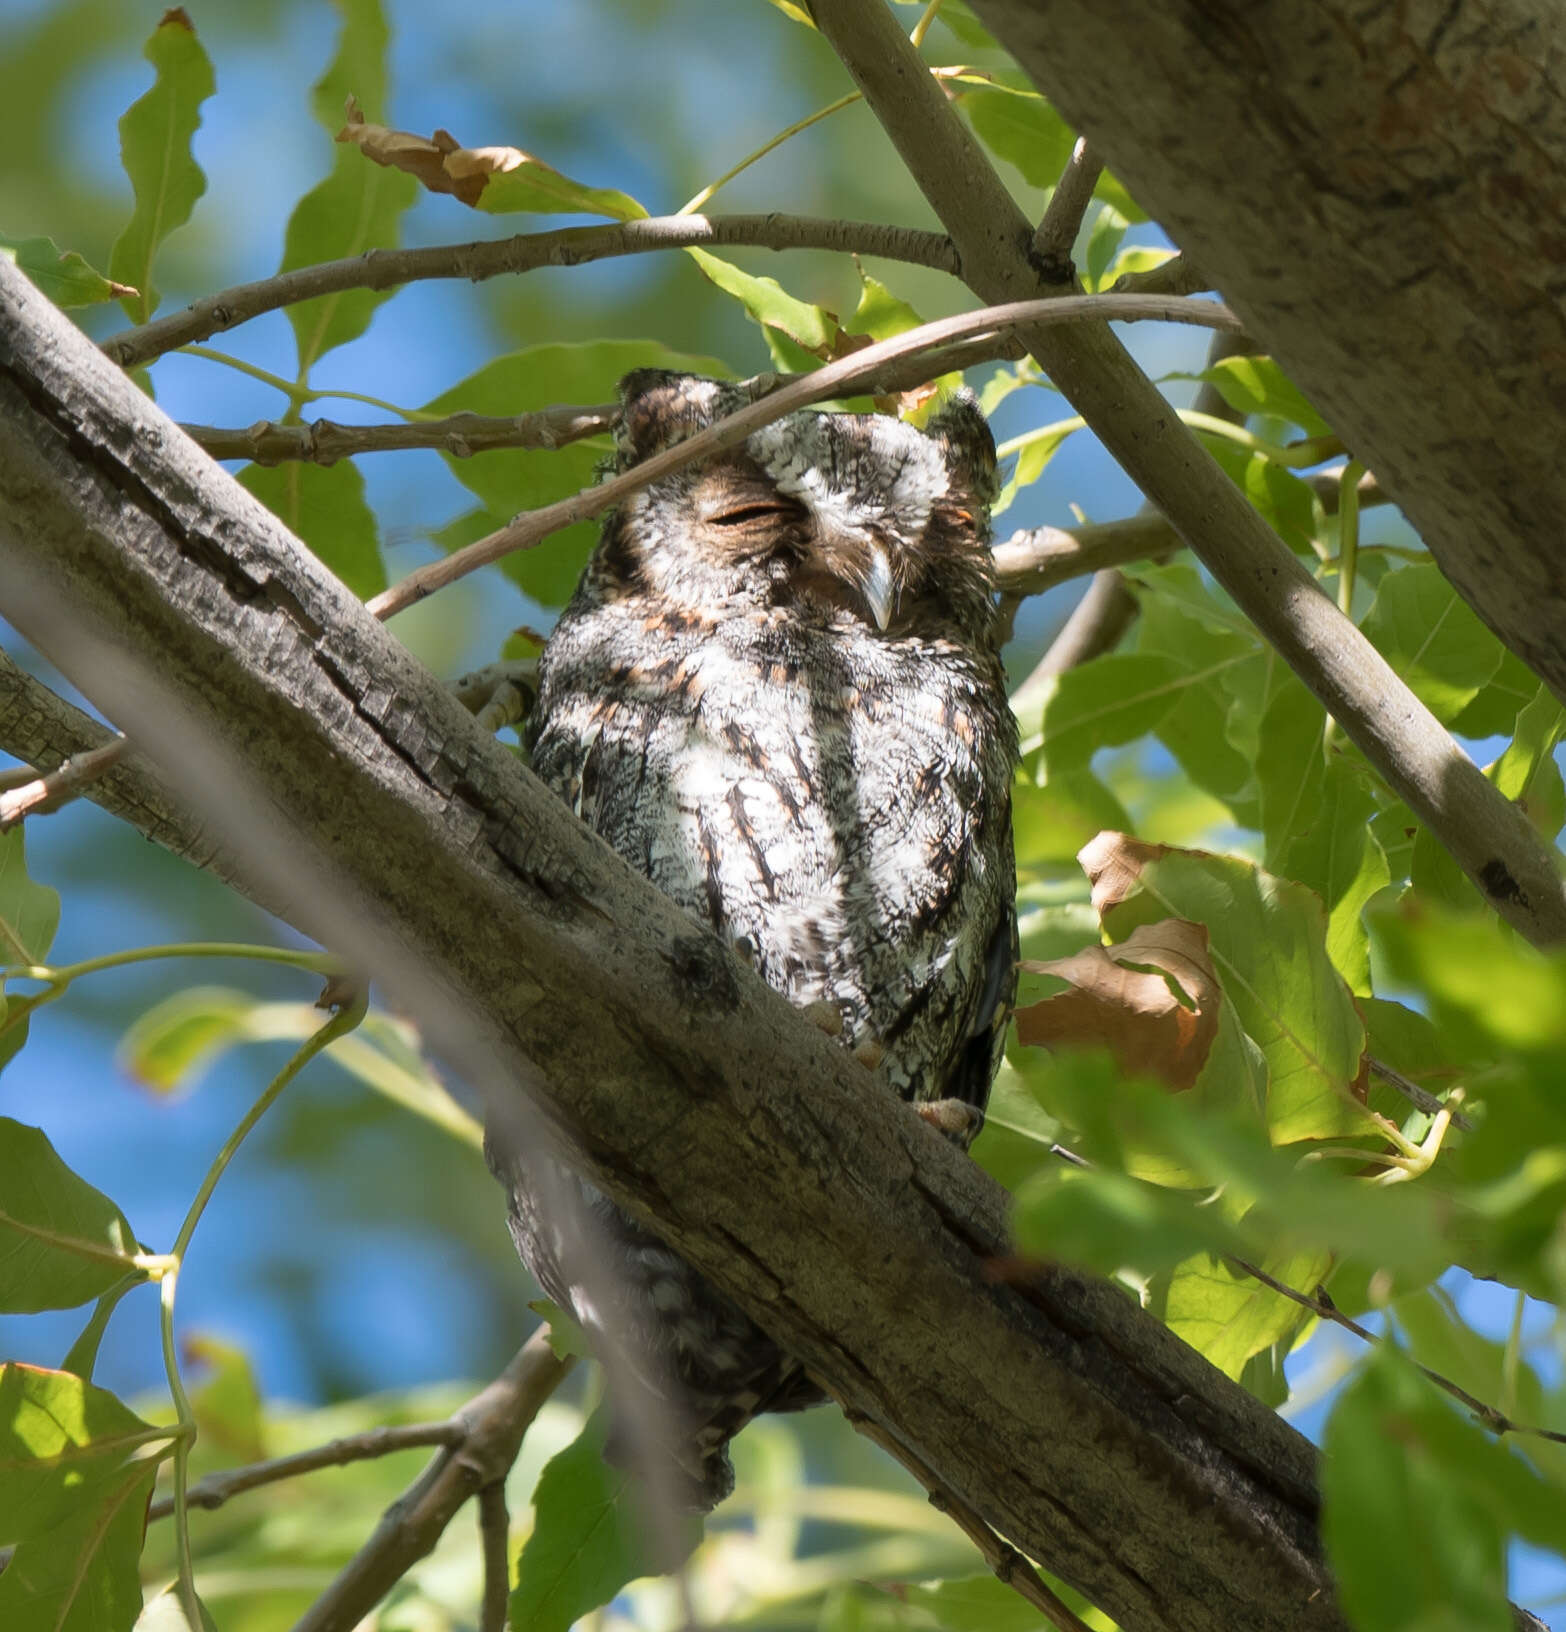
column 1378, row 189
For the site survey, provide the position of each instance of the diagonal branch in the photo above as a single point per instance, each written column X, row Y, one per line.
column 1517, row 872
column 527, row 252
column 1067, row 1418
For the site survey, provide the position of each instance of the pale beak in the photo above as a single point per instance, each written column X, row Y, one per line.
column 877, row 586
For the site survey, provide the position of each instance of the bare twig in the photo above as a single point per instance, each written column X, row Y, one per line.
column 386, row 268
column 1176, row 276
column 1010, row 1566
column 495, row 1539
column 494, row 1422
column 837, row 378
column 1421, row 1098
column 324, row 441
column 217, row 1488
column 1057, row 232
column 1516, row 871
column 1321, row 1305
column 59, row 786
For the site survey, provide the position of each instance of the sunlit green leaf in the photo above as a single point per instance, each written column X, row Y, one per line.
column 62, row 1243
column 770, row 304
column 29, row 917
column 1257, row 385
column 1032, row 452
column 358, row 206
column 325, row 506
column 82, row 1574
column 1024, row 130
column 1050, row 824
column 1432, row 638
column 590, row 1537
column 155, row 136
column 63, row 1443
column 540, row 189
column 1230, row 1316
column 63, row 275
column 1105, row 236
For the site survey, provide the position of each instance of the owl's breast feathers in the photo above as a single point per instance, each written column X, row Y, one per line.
column 833, row 800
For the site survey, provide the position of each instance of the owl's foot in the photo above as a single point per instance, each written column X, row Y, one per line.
column 824, row 1015
column 956, row 1118
column 869, row 1051
column 500, row 694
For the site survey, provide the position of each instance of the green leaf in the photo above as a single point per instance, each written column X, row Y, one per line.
column 1180, row 621
column 29, row 917
column 62, row 275
column 62, row 1243
column 1401, row 1462
column 325, row 506
column 1267, row 940
column 83, row 1355
column 770, row 304
column 1287, row 503
column 1432, row 638
column 1539, row 727
column 1050, row 824
column 983, row 1603
column 1291, row 768
column 358, row 206
column 1337, row 856
column 83, row 1575
column 1257, row 385
column 880, row 313
column 227, row 1401
column 1024, row 130
column 536, row 187
column 169, row 1046
column 155, row 136
column 1103, row 245
column 1230, row 1316
column 590, row 1536
column 1109, row 701
column 530, row 477
column 63, row 1444
column 1033, row 452
column 565, row 1336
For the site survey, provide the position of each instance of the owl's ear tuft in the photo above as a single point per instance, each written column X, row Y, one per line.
column 659, row 408
column 962, row 433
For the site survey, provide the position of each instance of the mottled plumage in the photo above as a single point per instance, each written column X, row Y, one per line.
column 776, row 693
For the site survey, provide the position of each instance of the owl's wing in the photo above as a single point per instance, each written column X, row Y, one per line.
column 978, row 1054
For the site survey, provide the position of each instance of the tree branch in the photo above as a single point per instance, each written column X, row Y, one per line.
column 1488, row 836
column 217, row 1488
column 493, row 1423
column 1052, row 243
column 1070, row 1420
column 527, row 252
column 845, row 375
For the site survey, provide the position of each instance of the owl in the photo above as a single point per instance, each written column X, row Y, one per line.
column 776, row 692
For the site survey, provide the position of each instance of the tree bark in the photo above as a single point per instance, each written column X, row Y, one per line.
column 1378, row 189
column 360, row 798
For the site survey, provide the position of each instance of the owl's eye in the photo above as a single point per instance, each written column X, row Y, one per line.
column 748, row 515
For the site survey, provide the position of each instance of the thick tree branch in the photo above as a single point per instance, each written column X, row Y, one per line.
column 1488, row 836
column 571, row 246
column 1377, row 189
column 1068, row 1419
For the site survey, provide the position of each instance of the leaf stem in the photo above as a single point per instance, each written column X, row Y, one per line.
column 297, row 392
column 344, row 1021
column 692, row 205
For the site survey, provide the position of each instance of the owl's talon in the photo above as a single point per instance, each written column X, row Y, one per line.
column 824, row 1015
column 869, row 1052
column 956, row 1118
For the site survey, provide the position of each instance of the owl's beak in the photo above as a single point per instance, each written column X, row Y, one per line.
column 877, row 586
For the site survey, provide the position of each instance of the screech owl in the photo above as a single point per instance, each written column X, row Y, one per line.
column 776, row 693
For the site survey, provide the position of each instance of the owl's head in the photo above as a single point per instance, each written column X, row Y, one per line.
column 838, row 515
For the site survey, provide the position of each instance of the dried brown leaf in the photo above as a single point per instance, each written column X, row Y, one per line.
column 1152, row 1001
